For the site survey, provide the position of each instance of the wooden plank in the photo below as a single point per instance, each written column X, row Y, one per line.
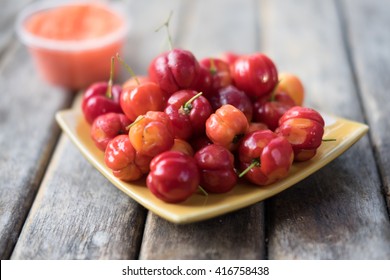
column 369, row 43
column 29, row 133
column 339, row 212
column 78, row 214
column 239, row 235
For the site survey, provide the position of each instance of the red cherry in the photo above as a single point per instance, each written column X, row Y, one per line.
column 173, row 176
column 256, row 74
column 106, row 127
column 101, row 98
column 233, row 96
column 219, row 71
column 174, row 70
column 138, row 100
column 188, row 112
column 269, row 110
column 216, row 165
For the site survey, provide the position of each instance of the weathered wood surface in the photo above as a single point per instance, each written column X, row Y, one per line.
column 340, row 49
column 344, row 217
column 28, row 129
column 369, row 43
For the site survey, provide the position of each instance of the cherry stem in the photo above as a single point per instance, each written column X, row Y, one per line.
column 203, row 191
column 137, row 120
column 166, row 25
column 128, row 68
column 213, row 68
column 110, row 81
column 188, row 105
column 329, row 139
column 255, row 163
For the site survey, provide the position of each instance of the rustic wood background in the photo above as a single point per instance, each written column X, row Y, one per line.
column 55, row 205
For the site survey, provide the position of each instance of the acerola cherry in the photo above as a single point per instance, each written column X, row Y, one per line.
column 183, row 146
column 269, row 110
column 152, row 133
column 303, row 128
column 256, row 74
column 108, row 126
column 174, row 70
column 216, row 165
column 226, row 126
column 219, row 71
column 138, row 100
column 173, row 176
column 291, row 85
column 233, row 96
column 120, row 156
column 264, row 157
column 188, row 112
column 101, row 98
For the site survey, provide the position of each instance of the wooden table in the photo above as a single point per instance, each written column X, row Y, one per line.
column 55, row 205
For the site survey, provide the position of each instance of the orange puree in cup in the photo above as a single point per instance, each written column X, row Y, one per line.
column 72, row 44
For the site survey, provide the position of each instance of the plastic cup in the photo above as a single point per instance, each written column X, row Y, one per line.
column 72, row 59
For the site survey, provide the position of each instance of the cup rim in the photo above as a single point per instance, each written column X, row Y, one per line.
column 31, row 40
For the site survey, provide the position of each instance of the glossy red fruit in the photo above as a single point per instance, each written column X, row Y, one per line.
column 101, row 98
column 233, row 96
column 264, row 157
column 226, row 126
column 256, row 74
column 173, row 176
column 139, row 99
column 216, row 165
column 108, row 126
column 303, row 128
column 152, row 134
column 269, row 110
column 96, row 101
column 188, row 112
column 121, row 157
column 219, row 72
column 203, row 84
column 174, row 70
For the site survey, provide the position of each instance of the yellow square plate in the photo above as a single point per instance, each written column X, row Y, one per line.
column 200, row 207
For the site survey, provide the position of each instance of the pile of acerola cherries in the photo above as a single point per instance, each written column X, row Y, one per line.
column 202, row 124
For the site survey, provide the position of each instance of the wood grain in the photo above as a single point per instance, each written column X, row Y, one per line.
column 78, row 214
column 369, row 45
column 29, row 134
column 337, row 213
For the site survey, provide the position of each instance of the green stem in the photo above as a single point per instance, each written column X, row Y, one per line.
column 255, row 163
column 203, row 191
column 213, row 68
column 188, row 105
column 128, row 68
column 166, row 25
column 110, row 81
column 329, row 139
